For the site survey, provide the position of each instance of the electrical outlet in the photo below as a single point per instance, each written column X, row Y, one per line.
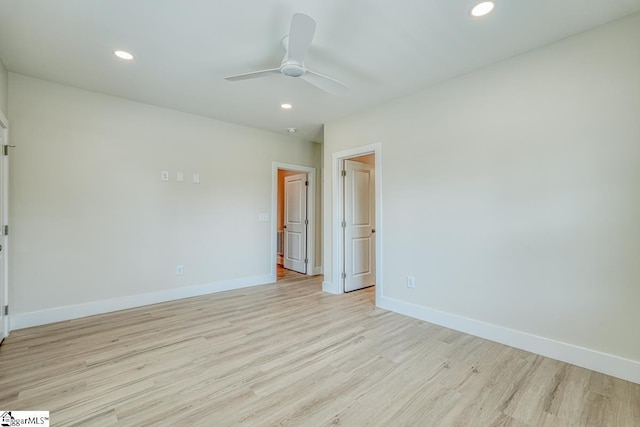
column 196, row 178
column 180, row 270
column 411, row 282
column 164, row 175
column 180, row 176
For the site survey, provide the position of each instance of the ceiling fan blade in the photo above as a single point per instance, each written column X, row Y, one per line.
column 324, row 83
column 301, row 32
column 253, row 74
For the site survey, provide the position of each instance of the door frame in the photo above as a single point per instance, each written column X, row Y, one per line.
column 311, row 215
column 337, row 243
column 4, row 219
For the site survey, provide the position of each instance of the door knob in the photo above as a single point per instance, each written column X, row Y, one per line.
column 373, row 230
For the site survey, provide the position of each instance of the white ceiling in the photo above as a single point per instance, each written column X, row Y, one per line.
column 185, row 48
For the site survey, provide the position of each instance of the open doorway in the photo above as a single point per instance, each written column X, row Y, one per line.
column 358, row 222
column 358, row 255
column 293, row 213
column 293, row 220
column 4, row 220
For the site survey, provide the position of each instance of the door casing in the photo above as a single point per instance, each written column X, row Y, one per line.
column 337, row 198
column 311, row 215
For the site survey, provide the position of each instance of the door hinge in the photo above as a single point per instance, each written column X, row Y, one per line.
column 306, row 260
column 306, row 183
column 344, row 275
column 306, row 221
column 6, row 310
column 6, row 230
column 5, row 149
column 344, row 224
column 344, row 173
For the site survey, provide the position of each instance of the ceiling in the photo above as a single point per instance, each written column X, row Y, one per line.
column 184, row 48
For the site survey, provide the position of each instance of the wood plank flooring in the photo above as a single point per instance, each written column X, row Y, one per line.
column 289, row 354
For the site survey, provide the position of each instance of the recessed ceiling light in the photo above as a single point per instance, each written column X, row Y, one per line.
column 482, row 9
column 123, row 55
column 291, row 130
column 286, row 106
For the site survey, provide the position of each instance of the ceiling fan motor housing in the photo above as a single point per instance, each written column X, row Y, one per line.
column 292, row 69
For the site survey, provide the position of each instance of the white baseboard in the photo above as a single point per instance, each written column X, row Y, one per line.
column 59, row 314
column 330, row 288
column 609, row 364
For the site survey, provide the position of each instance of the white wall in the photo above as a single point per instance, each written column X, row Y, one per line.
column 4, row 89
column 512, row 194
column 92, row 220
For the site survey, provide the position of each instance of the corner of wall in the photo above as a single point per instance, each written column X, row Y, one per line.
column 4, row 89
column 330, row 288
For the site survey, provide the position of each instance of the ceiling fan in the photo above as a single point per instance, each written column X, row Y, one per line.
column 297, row 44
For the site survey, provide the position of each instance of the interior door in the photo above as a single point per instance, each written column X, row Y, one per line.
column 359, row 226
column 4, row 320
column 295, row 222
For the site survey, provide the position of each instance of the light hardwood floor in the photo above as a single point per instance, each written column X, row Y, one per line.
column 289, row 354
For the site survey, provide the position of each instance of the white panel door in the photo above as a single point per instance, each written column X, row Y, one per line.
column 359, row 226
column 4, row 321
column 295, row 223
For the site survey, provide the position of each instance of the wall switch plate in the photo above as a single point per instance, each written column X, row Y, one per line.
column 411, row 282
column 264, row 216
column 180, row 270
column 196, row 178
column 180, row 176
column 164, row 175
